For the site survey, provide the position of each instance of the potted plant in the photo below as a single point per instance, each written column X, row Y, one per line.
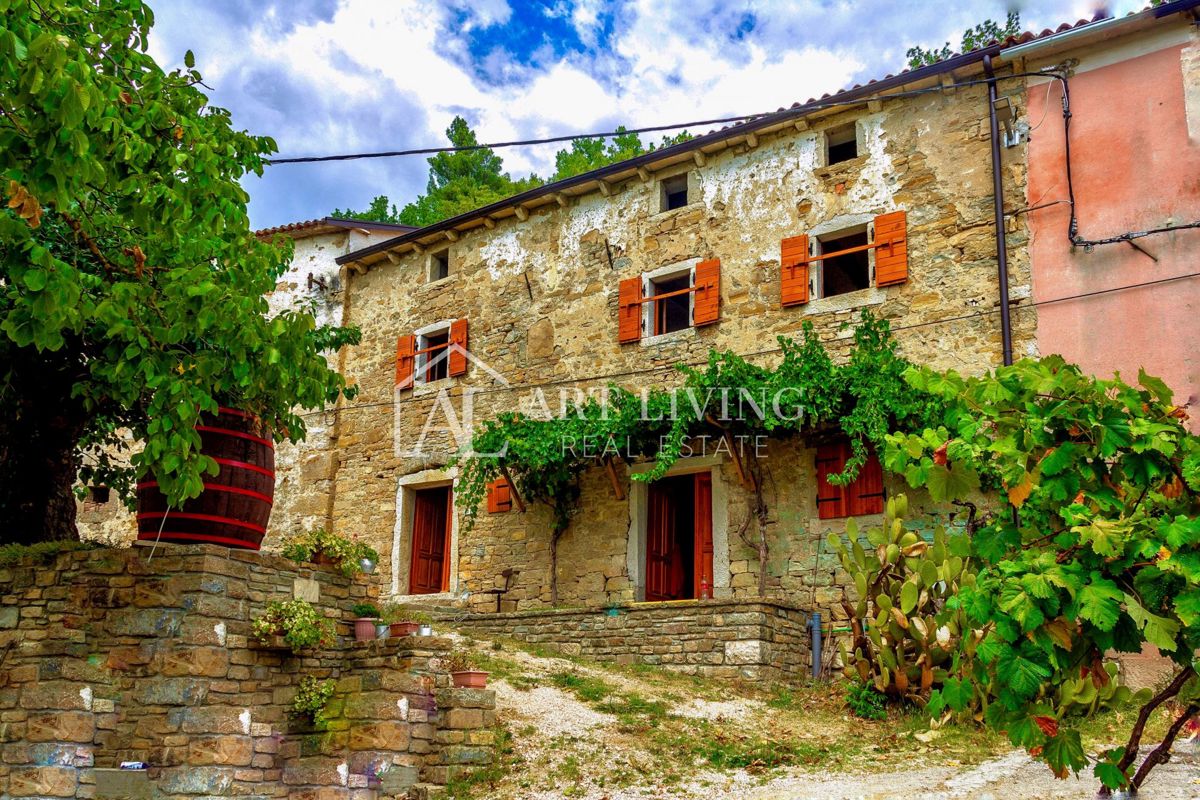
column 311, row 699
column 297, row 622
column 321, row 547
column 365, row 615
column 405, row 621
column 463, row 670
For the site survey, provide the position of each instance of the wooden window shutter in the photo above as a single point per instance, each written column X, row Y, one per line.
column 865, row 495
column 629, row 316
column 499, row 497
column 831, row 460
column 793, row 270
column 406, row 348
column 706, row 308
column 458, row 354
column 891, row 259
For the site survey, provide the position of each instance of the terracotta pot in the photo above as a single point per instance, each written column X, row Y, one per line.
column 322, row 559
column 469, row 679
column 404, row 628
column 364, row 629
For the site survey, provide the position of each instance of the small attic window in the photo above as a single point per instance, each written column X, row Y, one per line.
column 98, row 495
column 842, row 144
column 675, row 192
column 439, row 265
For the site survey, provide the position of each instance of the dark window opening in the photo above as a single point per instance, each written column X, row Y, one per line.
column 671, row 536
column 98, row 495
column 439, row 265
column 437, row 360
column 843, row 144
column 675, row 192
column 847, row 273
column 674, row 313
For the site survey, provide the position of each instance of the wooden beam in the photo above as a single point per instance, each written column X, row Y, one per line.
column 874, row 106
column 618, row 490
column 645, row 174
column 418, row 248
column 752, row 139
column 452, row 235
column 699, row 158
column 561, row 199
column 392, row 257
column 512, row 488
column 356, row 267
column 522, row 213
column 489, row 223
column 604, row 188
column 802, row 125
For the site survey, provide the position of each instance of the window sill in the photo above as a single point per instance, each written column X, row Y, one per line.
column 421, row 388
column 662, row 216
column 841, row 169
column 846, row 302
column 669, row 338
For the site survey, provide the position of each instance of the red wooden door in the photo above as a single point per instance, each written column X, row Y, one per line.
column 660, row 543
column 703, row 573
column 430, row 568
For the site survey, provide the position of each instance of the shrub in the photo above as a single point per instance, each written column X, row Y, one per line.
column 365, row 611
column 343, row 551
column 459, row 661
column 865, row 700
column 40, row 552
column 312, row 698
column 297, row 622
column 398, row 613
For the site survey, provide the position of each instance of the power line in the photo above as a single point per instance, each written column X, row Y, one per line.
column 842, row 342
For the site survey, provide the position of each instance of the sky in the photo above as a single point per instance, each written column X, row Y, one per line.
column 336, row 76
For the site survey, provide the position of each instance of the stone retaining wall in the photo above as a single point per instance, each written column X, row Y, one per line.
column 111, row 655
column 748, row 639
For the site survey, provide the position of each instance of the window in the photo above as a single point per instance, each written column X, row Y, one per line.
column 97, row 495
column 675, row 192
column 863, row 495
column 847, row 268
column 439, row 265
column 674, row 311
column 842, row 144
column 432, row 363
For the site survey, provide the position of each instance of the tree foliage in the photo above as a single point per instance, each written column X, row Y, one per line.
column 131, row 286
column 972, row 39
column 1097, row 548
column 465, row 180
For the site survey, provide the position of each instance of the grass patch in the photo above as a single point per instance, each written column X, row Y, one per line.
column 505, row 763
column 586, row 688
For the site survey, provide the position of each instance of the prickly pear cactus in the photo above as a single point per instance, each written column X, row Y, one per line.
column 904, row 636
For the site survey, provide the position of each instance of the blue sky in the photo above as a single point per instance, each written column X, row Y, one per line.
column 333, row 76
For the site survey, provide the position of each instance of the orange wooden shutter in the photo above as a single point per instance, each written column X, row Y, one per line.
column 793, row 270
column 458, row 355
column 707, row 305
column 891, row 260
column 499, row 498
column 865, row 495
column 831, row 460
column 629, row 317
column 406, row 347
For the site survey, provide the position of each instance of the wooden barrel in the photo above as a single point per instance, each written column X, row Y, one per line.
column 235, row 505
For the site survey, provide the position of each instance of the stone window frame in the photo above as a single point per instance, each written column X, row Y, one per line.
column 421, row 361
column 431, row 260
column 635, row 542
column 843, row 224
column 406, row 491
column 860, row 140
column 693, row 188
column 673, row 270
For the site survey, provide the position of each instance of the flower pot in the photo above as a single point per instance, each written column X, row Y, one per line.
column 323, row 559
column 381, row 630
column 425, row 630
column 367, row 565
column 364, row 629
column 404, row 628
column 469, row 679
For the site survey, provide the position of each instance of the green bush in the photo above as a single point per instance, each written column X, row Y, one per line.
column 365, row 611
column 297, row 622
column 312, row 698
column 865, row 700
column 41, row 552
column 345, row 552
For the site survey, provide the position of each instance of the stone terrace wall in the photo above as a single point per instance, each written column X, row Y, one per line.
column 751, row 640
column 110, row 656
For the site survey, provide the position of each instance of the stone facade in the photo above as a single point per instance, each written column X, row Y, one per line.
column 540, row 295
column 748, row 640
column 121, row 655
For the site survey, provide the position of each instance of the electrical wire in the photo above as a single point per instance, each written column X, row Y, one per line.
column 840, row 342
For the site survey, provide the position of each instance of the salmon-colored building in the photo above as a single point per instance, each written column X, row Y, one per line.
column 1116, row 283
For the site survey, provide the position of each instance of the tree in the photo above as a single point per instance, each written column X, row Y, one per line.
column 1095, row 546
column 131, row 286
column 463, row 181
column 972, row 39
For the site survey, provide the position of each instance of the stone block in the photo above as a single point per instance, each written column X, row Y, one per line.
column 316, row 771
column 43, row 782
column 170, row 691
column 385, row 735
column 463, row 718
column 119, row 784
column 306, row 589
column 230, row 750
column 196, row 780
column 746, row 652
column 211, row 719
column 212, row 662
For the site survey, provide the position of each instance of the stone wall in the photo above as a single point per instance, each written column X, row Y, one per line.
column 757, row 640
column 115, row 655
column 541, row 299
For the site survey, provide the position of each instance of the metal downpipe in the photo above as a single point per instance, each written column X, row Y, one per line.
column 998, row 203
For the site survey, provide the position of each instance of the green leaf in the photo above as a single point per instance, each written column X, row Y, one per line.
column 946, row 483
column 1099, row 602
column 1065, row 751
column 189, row 59
column 1159, row 631
column 1110, row 775
column 1019, row 674
column 908, row 597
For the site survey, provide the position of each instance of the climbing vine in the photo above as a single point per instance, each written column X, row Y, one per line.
column 864, row 396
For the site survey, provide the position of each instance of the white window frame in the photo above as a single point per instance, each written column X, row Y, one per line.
column 431, row 260
column 859, row 142
column 816, row 274
column 676, row 270
column 421, row 360
column 662, row 191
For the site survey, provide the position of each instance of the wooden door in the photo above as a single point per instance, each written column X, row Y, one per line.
column 703, row 572
column 660, row 543
column 430, row 570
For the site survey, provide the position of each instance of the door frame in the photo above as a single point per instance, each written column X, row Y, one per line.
column 635, row 552
column 402, row 532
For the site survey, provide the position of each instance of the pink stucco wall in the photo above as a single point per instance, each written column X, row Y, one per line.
column 1134, row 168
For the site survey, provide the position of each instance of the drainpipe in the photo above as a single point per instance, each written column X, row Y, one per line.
column 814, row 630
column 998, row 203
